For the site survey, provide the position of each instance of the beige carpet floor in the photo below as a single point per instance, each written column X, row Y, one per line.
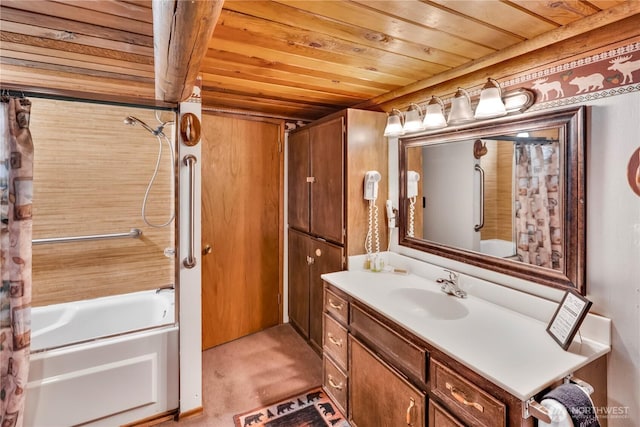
column 251, row 372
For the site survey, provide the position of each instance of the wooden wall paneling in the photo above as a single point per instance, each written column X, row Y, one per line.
column 90, row 175
column 489, row 163
column 415, row 163
column 505, row 196
column 367, row 149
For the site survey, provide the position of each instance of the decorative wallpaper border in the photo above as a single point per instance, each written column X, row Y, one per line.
column 607, row 73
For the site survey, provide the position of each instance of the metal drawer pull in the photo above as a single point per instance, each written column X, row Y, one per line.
column 462, row 398
column 332, row 383
column 334, row 340
column 334, row 305
column 412, row 404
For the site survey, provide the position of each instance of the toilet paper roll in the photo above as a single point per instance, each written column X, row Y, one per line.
column 558, row 414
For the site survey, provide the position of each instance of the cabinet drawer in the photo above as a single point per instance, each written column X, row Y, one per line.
column 335, row 383
column 335, row 341
column 406, row 356
column 337, row 306
column 465, row 398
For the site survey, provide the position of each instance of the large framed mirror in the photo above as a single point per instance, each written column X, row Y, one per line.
column 507, row 195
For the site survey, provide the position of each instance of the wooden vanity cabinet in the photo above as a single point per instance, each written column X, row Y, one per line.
column 309, row 258
column 378, row 394
column 393, row 378
column 327, row 160
column 335, row 357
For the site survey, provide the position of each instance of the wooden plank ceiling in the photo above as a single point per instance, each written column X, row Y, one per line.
column 297, row 59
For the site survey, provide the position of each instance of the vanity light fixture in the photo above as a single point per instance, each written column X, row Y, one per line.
column 394, row 124
column 434, row 115
column 490, row 104
column 413, row 119
column 461, row 111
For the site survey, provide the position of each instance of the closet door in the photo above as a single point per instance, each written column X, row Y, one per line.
column 298, row 193
column 327, row 189
column 299, row 281
column 327, row 258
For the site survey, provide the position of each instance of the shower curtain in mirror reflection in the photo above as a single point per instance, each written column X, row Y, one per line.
column 16, row 183
column 537, row 205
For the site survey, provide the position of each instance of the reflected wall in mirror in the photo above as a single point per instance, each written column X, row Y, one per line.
column 507, row 195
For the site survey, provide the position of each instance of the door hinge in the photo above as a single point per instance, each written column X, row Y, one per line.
column 279, row 299
column 279, row 145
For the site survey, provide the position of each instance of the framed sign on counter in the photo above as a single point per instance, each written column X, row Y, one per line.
column 568, row 317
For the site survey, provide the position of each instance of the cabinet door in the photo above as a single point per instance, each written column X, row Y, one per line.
column 378, row 396
column 440, row 417
column 299, row 281
column 327, row 190
column 298, row 171
column 327, row 258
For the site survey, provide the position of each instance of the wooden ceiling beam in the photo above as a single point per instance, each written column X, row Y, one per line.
column 182, row 30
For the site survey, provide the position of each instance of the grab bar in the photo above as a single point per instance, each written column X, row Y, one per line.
column 478, row 227
column 134, row 233
column 190, row 161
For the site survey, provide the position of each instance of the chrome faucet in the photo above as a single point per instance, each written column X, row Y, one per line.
column 450, row 286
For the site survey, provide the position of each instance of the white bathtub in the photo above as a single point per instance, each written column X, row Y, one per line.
column 87, row 367
column 497, row 247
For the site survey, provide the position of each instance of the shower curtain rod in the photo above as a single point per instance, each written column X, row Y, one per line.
column 19, row 92
column 135, row 233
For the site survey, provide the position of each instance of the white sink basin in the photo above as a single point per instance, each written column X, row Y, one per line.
column 429, row 304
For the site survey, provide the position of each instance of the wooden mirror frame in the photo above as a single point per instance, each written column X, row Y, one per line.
column 572, row 130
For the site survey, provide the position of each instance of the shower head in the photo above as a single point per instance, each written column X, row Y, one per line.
column 130, row 120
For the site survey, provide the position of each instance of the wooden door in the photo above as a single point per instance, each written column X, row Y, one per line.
column 378, row 396
column 242, row 223
column 298, row 171
column 327, row 258
column 327, row 190
column 299, row 281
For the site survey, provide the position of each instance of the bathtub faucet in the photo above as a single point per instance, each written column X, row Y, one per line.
column 450, row 286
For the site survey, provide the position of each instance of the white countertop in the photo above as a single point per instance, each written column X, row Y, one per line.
column 511, row 349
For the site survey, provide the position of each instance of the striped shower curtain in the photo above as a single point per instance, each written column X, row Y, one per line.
column 16, row 184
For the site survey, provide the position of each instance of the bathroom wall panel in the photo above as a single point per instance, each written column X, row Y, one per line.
column 90, row 175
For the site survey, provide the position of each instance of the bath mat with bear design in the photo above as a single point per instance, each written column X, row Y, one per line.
column 311, row 408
